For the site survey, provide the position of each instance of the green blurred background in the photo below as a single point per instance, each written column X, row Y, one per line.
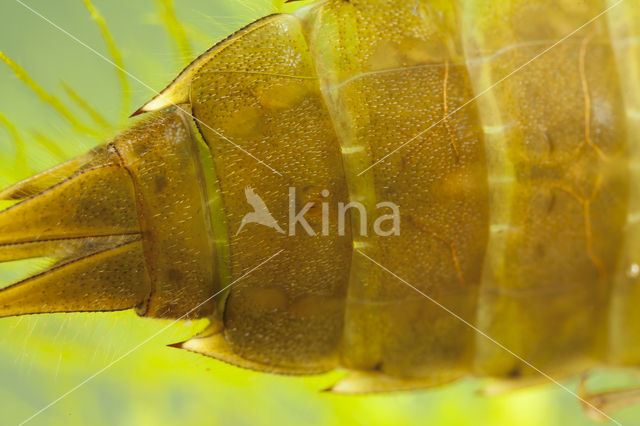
column 43, row 357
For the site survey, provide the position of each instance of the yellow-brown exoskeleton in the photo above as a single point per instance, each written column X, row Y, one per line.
column 517, row 187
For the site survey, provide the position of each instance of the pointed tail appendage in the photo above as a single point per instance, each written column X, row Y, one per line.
column 126, row 224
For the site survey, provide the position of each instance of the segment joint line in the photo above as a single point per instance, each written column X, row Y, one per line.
column 488, row 89
column 485, row 335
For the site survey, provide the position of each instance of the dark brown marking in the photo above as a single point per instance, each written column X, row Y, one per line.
column 160, row 183
column 378, row 366
column 515, row 372
column 552, row 203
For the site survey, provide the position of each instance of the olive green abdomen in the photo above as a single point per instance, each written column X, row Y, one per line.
column 556, row 133
column 385, row 83
column 555, row 181
column 506, row 154
column 414, row 190
column 262, row 94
